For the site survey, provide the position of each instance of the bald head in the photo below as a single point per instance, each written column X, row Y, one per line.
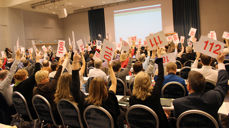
column 98, row 63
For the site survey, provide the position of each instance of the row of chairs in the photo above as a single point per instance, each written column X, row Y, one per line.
column 137, row 116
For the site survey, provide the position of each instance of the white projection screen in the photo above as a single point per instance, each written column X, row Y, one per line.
column 139, row 21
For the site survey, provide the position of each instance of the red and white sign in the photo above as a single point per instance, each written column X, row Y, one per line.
column 175, row 38
column 61, row 48
column 89, row 48
column 145, row 42
column 192, row 32
column 170, row 57
column 169, row 38
column 209, row 46
column 225, row 35
column 212, row 35
column 44, row 48
column 80, row 45
column 96, row 56
column 190, row 43
column 182, row 39
column 125, row 46
column 107, row 51
column 156, row 40
column 133, row 38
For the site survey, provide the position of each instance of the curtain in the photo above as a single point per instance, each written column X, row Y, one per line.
column 185, row 16
column 96, row 24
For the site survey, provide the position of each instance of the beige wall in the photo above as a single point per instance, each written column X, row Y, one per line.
column 167, row 14
column 214, row 16
column 79, row 24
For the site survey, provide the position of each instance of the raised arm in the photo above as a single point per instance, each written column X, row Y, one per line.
column 7, row 81
column 113, row 79
column 195, row 64
column 83, row 64
column 160, row 78
column 181, row 52
column 75, row 86
column 128, row 67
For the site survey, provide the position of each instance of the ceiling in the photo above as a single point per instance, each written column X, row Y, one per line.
column 57, row 6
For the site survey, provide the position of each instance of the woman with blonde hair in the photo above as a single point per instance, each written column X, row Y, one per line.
column 98, row 92
column 63, row 90
column 144, row 93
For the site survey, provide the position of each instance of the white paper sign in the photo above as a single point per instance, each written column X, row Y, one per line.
column 89, row 48
column 175, row 38
column 125, row 46
column 31, row 50
column 3, row 53
column 192, row 32
column 170, row 57
column 80, row 45
column 69, row 41
column 61, row 48
column 107, row 51
column 73, row 41
column 22, row 49
column 44, row 48
column 96, row 56
column 212, row 35
column 34, row 46
column 182, row 39
column 208, row 46
column 156, row 40
column 118, row 46
column 225, row 35
column 17, row 43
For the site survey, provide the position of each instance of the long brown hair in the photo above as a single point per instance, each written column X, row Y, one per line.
column 63, row 90
column 97, row 91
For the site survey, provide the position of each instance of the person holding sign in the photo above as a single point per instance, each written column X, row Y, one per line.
column 206, row 70
column 117, row 68
column 209, row 101
column 105, row 98
column 146, row 94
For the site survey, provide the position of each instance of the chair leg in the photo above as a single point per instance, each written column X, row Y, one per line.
column 42, row 123
column 34, row 123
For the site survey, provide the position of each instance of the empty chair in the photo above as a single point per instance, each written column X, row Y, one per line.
column 188, row 63
column 69, row 113
column 209, row 85
column 98, row 117
column 173, row 90
column 138, row 116
column 184, row 72
column 43, row 110
column 21, row 106
column 121, row 87
column 196, row 119
column 179, row 65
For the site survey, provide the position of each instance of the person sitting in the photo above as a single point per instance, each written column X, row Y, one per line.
column 144, row 93
column 189, row 55
column 26, row 85
column 206, row 70
column 97, row 72
column 45, row 64
column 47, row 88
column 171, row 69
column 98, row 92
column 117, row 68
column 54, row 68
column 210, row 101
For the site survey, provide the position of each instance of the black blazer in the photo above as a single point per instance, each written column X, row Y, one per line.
column 209, row 102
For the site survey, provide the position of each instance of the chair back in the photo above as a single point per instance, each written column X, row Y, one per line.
column 141, row 115
column 98, row 117
column 121, row 87
column 69, row 113
column 173, row 90
column 209, row 85
column 196, row 119
column 21, row 106
column 188, row 63
column 5, row 115
column 227, row 67
column 43, row 109
column 184, row 72
column 179, row 65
